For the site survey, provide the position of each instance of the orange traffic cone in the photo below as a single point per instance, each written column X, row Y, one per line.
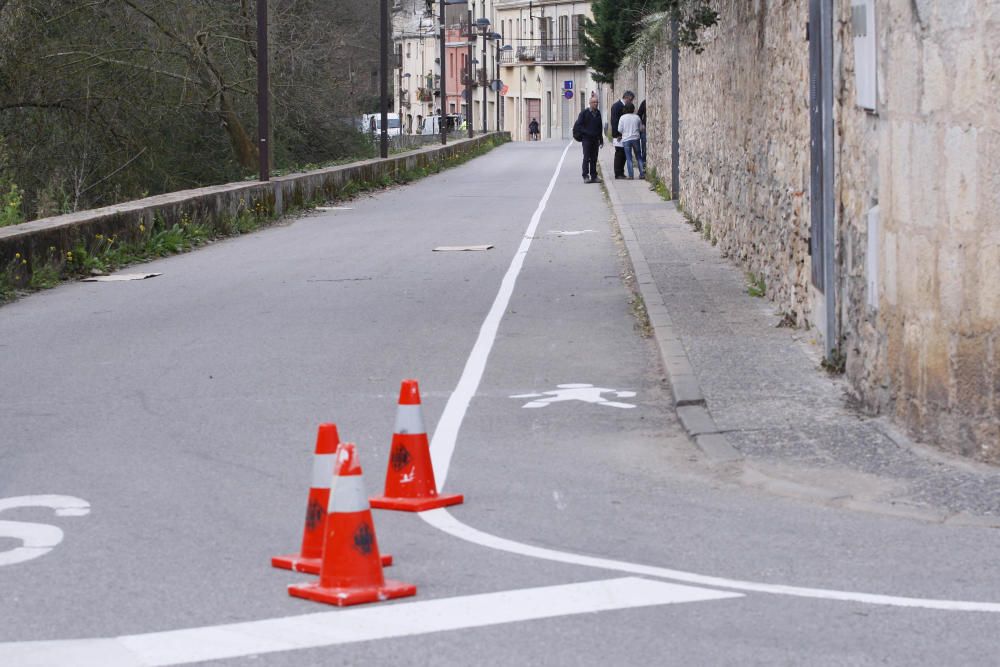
column 311, row 556
column 352, row 570
column 409, row 481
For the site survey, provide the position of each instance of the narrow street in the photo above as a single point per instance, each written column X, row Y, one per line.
column 175, row 419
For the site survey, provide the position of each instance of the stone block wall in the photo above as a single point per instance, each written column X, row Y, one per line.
column 744, row 118
column 934, row 362
column 921, row 344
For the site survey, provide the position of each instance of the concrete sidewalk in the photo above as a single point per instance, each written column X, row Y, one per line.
column 753, row 396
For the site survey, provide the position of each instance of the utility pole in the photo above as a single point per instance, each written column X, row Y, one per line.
column 263, row 94
column 444, row 92
column 675, row 111
column 468, row 76
column 384, row 78
column 483, row 81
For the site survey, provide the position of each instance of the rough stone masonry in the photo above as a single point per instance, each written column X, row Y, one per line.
column 918, row 277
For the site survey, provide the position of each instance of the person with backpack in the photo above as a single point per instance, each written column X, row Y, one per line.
column 589, row 130
column 534, row 133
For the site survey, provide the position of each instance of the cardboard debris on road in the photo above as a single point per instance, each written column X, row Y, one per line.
column 462, row 248
column 119, row 277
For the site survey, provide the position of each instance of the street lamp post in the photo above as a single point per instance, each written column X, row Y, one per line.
column 443, row 126
column 468, row 76
column 486, row 37
column 498, row 84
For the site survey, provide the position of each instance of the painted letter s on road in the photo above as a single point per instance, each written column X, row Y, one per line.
column 37, row 538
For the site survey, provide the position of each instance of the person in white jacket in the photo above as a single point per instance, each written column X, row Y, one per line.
column 630, row 126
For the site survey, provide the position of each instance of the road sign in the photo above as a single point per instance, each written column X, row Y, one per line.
column 568, row 94
column 567, row 85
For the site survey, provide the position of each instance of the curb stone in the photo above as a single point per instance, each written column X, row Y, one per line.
column 689, row 399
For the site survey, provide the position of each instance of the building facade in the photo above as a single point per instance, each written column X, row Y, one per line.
column 507, row 62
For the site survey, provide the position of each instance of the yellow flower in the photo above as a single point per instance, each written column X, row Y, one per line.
column 24, row 261
column 17, row 255
column 99, row 237
column 142, row 227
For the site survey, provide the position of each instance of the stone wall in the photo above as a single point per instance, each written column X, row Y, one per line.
column 744, row 165
column 938, row 321
column 921, row 342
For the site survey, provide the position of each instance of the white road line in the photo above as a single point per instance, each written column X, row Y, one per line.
column 354, row 625
column 446, row 436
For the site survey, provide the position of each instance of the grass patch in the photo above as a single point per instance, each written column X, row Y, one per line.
column 756, row 286
column 835, row 364
column 658, row 185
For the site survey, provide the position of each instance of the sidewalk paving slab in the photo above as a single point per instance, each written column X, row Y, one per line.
column 748, row 389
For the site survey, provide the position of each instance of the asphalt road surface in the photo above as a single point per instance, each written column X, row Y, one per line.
column 156, row 443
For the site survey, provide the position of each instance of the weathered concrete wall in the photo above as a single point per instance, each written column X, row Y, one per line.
column 921, row 344
column 41, row 242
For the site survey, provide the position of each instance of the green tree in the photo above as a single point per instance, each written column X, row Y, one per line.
column 617, row 24
column 107, row 100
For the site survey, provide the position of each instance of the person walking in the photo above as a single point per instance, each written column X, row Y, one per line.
column 628, row 97
column 628, row 127
column 534, row 133
column 589, row 130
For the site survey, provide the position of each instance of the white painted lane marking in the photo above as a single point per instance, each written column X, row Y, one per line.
column 356, row 625
column 446, row 434
column 441, row 519
column 37, row 539
column 586, row 393
column 557, row 232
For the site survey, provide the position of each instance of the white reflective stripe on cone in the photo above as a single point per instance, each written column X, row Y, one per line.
column 323, row 465
column 409, row 420
column 347, row 494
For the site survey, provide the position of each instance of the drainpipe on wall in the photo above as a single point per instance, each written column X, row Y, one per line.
column 675, row 112
column 829, row 209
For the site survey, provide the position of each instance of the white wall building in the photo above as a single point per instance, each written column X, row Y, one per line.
column 535, row 54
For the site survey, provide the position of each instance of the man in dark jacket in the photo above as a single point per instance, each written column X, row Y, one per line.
column 590, row 130
column 617, row 109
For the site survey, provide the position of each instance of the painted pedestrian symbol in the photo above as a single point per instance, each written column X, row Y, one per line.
column 587, row 393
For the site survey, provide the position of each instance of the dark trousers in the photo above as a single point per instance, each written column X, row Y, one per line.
column 590, row 148
column 619, row 161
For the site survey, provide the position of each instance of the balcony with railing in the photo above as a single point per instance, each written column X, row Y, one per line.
column 569, row 53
